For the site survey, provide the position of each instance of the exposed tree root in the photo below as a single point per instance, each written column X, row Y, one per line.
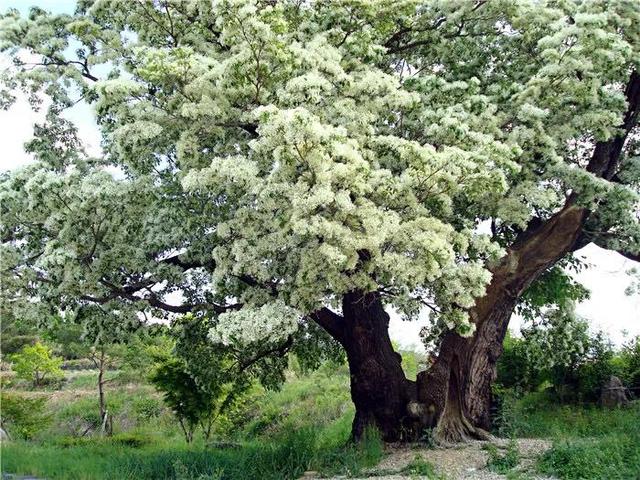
column 452, row 429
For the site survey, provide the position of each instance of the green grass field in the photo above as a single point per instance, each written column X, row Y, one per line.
column 281, row 434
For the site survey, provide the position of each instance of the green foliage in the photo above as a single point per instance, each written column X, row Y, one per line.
column 14, row 343
column 37, row 364
column 610, row 457
column 627, row 363
column 317, row 399
column 503, row 462
column 147, row 408
column 23, row 416
column 563, row 356
column 67, row 338
column 514, row 371
column 582, row 379
column 412, row 362
column 555, row 287
column 193, row 403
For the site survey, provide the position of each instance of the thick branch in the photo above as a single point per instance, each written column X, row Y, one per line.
column 606, row 156
column 127, row 292
column 187, row 264
column 329, row 321
column 280, row 350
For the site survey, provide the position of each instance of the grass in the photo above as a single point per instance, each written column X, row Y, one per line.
column 303, row 426
column 588, row 442
column 614, row 456
column 503, row 462
column 285, row 457
column 419, row 466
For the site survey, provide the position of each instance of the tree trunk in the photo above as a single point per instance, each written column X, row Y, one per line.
column 379, row 389
column 102, row 364
column 466, row 367
column 454, row 395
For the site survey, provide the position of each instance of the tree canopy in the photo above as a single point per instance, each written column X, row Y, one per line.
column 263, row 159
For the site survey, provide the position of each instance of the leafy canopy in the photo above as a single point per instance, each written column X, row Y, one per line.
column 262, row 159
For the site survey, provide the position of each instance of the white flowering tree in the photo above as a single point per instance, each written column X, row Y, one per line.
column 280, row 165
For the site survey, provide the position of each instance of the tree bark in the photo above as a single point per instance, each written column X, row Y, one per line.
column 379, row 389
column 101, row 364
column 469, row 364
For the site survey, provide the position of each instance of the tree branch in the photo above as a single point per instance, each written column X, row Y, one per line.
column 606, row 156
column 331, row 322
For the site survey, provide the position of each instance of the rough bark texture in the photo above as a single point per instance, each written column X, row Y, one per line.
column 379, row 389
column 471, row 362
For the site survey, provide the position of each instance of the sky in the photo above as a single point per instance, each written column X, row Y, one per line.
column 608, row 308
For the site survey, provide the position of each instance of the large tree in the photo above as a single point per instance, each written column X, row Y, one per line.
column 271, row 166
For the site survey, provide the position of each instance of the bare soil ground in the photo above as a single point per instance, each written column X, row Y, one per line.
column 463, row 462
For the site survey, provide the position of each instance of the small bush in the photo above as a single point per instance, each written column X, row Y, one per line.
column 36, row 364
column 23, row 417
column 503, row 462
column 147, row 408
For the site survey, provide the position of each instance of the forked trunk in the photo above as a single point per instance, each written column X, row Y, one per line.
column 454, row 395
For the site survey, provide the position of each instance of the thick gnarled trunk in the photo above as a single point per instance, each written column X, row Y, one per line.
column 379, row 388
column 470, row 363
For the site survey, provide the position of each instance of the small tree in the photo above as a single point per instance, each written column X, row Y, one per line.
column 192, row 404
column 99, row 337
column 36, row 363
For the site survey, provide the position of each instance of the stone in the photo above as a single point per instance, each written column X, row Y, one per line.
column 613, row 393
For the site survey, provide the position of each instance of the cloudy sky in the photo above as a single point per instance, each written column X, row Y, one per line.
column 608, row 308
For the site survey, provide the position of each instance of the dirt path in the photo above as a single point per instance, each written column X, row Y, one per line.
column 464, row 462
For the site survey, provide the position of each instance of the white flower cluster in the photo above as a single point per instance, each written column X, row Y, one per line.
column 270, row 323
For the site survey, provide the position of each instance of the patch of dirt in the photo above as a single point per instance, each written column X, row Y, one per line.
column 467, row 461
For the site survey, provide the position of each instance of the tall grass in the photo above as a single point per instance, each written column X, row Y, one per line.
column 588, row 442
column 284, row 457
column 303, row 426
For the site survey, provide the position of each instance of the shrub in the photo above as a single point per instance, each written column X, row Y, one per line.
column 14, row 343
column 36, row 364
column 23, row 417
column 630, row 364
column 503, row 462
column 147, row 408
column 192, row 404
